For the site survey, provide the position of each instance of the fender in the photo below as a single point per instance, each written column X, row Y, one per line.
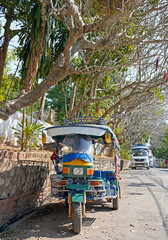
column 77, row 197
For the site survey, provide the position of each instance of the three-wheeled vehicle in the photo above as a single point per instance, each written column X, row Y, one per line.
column 75, row 180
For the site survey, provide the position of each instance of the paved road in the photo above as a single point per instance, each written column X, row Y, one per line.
column 142, row 214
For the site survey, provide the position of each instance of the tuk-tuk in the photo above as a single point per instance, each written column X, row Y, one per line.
column 75, row 179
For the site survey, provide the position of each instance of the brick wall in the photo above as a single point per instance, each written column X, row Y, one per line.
column 24, row 183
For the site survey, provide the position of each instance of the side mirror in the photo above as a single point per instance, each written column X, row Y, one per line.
column 108, row 137
column 43, row 138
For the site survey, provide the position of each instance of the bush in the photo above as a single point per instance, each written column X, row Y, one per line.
column 31, row 135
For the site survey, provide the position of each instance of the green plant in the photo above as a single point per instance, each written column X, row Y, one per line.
column 162, row 164
column 31, row 135
column 125, row 152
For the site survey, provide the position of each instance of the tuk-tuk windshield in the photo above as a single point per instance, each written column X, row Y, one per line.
column 77, row 144
column 139, row 153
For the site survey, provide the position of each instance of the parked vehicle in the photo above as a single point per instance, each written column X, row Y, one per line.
column 165, row 164
column 140, row 157
column 77, row 182
column 151, row 160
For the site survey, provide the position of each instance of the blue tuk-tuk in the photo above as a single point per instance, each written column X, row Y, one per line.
column 75, row 179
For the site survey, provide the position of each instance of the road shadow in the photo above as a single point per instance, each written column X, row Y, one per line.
column 99, row 207
column 136, row 194
column 142, row 185
column 157, row 201
column 52, row 221
column 164, row 170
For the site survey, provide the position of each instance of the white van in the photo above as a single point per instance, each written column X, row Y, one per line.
column 140, row 157
column 151, row 160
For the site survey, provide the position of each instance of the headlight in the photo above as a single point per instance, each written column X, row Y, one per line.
column 78, row 171
column 70, row 181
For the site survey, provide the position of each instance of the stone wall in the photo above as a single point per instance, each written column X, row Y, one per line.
column 107, row 163
column 24, row 183
column 103, row 163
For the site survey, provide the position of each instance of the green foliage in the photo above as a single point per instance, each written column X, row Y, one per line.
column 58, row 98
column 162, row 165
column 153, row 2
column 55, row 44
column 125, row 152
column 158, row 95
column 159, row 111
column 31, row 33
column 162, row 151
column 35, row 106
column 55, row 36
column 10, row 87
column 31, row 135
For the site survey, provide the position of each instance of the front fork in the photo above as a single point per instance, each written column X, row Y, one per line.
column 76, row 197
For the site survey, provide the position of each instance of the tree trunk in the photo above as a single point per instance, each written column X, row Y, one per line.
column 23, row 128
column 72, row 98
column 31, row 118
column 102, row 150
column 58, row 73
column 41, row 109
column 34, row 61
column 110, row 151
column 50, row 118
column 4, row 47
column 42, row 103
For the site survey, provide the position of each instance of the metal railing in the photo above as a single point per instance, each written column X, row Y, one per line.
column 85, row 120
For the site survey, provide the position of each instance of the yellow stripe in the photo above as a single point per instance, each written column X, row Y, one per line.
column 78, row 162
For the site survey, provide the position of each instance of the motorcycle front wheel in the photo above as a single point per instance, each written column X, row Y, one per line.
column 77, row 217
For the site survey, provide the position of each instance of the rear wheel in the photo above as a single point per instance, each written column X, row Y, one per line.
column 66, row 203
column 77, row 217
column 119, row 188
column 115, row 202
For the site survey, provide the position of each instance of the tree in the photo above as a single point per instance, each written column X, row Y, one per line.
column 145, row 122
column 16, row 12
column 58, row 98
column 92, row 30
column 162, row 151
column 10, row 88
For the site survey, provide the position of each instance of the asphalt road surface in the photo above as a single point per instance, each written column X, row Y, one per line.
column 142, row 214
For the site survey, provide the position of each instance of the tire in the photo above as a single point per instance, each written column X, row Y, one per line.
column 119, row 188
column 66, row 203
column 148, row 168
column 115, row 203
column 133, row 167
column 77, row 217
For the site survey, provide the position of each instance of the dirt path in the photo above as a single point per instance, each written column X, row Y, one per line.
column 142, row 214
